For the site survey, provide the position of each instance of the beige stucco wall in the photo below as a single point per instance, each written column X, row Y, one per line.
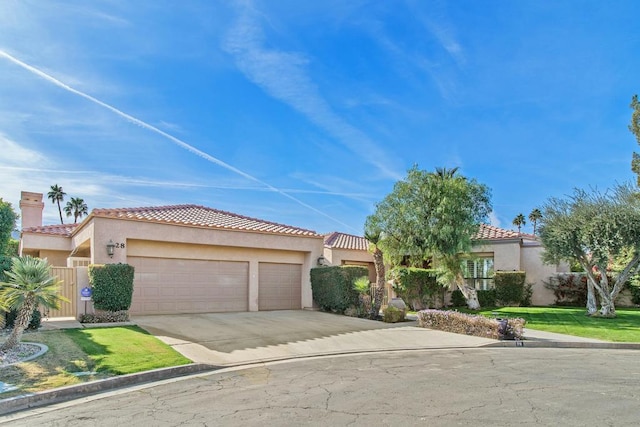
column 351, row 257
column 539, row 272
column 506, row 254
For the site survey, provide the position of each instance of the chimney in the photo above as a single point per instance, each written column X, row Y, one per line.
column 31, row 207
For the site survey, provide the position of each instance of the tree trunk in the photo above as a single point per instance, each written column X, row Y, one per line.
column 378, row 295
column 470, row 294
column 60, row 212
column 592, row 307
column 22, row 321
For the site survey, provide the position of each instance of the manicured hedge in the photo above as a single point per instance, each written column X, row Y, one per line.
column 510, row 287
column 333, row 288
column 112, row 286
column 468, row 324
column 5, row 265
column 418, row 287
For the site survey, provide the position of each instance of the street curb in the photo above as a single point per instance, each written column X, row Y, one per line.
column 567, row 344
column 64, row 394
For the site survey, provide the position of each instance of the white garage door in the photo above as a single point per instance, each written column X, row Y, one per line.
column 163, row 286
column 280, row 286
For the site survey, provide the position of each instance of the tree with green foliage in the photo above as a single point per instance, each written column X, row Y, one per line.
column 432, row 216
column 534, row 217
column 8, row 219
column 29, row 285
column 77, row 208
column 519, row 221
column 593, row 229
column 634, row 127
column 374, row 235
column 56, row 195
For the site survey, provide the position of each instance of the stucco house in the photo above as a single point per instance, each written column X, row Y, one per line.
column 187, row 258
column 495, row 249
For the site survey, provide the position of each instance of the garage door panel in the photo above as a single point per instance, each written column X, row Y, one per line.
column 164, row 286
column 280, row 286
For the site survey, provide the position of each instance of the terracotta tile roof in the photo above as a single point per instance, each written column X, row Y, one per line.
column 490, row 232
column 58, row 229
column 200, row 216
column 338, row 240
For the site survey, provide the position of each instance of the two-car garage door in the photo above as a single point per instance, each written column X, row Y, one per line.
column 189, row 286
column 163, row 286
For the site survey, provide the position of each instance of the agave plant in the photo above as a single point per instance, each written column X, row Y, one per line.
column 30, row 285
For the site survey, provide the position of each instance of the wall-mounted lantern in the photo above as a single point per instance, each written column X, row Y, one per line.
column 110, row 247
column 322, row 261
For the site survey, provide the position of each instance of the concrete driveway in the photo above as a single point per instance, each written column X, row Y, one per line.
column 236, row 338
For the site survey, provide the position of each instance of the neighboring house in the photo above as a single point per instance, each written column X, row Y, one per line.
column 494, row 249
column 187, row 258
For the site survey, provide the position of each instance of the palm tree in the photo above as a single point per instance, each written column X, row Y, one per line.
column 446, row 173
column 57, row 195
column 30, row 285
column 519, row 221
column 534, row 217
column 76, row 207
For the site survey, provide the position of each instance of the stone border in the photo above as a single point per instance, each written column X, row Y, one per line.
column 43, row 350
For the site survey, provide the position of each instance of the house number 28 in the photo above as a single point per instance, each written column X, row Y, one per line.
column 119, row 245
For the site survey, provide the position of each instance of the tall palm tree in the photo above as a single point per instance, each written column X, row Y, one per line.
column 519, row 221
column 446, row 173
column 57, row 195
column 534, row 217
column 76, row 207
column 30, row 285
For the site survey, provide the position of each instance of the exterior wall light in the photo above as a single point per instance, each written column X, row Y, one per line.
column 110, row 247
column 322, row 261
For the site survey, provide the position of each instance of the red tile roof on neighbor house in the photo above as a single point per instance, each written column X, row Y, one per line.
column 338, row 240
column 200, row 216
column 57, row 229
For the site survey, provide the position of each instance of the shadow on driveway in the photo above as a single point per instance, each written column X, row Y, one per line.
column 227, row 332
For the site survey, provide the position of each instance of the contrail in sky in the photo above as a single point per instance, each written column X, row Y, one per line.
column 171, row 138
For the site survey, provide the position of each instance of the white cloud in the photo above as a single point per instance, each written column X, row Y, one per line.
column 284, row 76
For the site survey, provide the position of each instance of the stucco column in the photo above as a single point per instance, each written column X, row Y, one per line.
column 307, row 295
column 253, row 284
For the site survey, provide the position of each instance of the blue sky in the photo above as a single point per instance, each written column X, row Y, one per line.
column 307, row 113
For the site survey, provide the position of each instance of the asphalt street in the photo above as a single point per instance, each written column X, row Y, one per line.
column 486, row 386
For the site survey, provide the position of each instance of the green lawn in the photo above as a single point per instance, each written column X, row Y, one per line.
column 96, row 353
column 573, row 321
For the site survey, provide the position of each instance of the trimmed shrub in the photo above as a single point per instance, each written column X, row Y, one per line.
column 333, row 287
column 105, row 317
column 5, row 265
column 112, row 286
column 468, row 324
column 487, row 298
column 34, row 324
column 393, row 315
column 509, row 287
column 458, row 299
column 418, row 287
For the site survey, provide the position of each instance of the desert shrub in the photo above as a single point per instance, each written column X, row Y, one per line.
column 509, row 287
column 112, row 286
column 468, row 324
column 569, row 289
column 11, row 316
column 418, row 287
column 458, row 299
column 527, row 295
column 487, row 298
column 333, row 287
column 393, row 314
column 105, row 317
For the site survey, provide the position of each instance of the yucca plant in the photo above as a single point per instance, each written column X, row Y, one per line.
column 29, row 285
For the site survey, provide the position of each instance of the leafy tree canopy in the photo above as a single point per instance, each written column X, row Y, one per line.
column 8, row 219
